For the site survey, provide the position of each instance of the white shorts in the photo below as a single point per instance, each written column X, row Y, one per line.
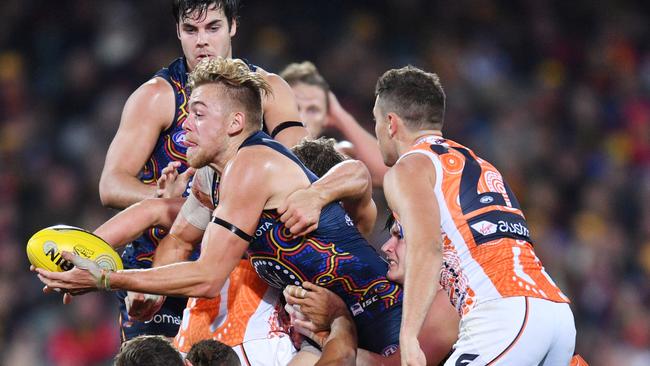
column 515, row 331
column 276, row 351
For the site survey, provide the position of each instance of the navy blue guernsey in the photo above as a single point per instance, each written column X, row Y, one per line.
column 168, row 148
column 335, row 256
column 139, row 254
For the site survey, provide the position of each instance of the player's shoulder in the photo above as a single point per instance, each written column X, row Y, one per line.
column 153, row 93
column 410, row 167
column 275, row 81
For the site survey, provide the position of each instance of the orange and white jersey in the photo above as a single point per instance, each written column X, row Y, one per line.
column 246, row 309
column 487, row 250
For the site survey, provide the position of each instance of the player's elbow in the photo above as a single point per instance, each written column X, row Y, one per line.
column 107, row 192
column 206, row 290
column 209, row 284
column 361, row 174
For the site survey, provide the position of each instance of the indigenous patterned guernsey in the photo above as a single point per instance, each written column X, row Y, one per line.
column 487, row 250
column 335, row 256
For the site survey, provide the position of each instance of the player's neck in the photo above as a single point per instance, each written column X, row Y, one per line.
column 222, row 159
column 412, row 139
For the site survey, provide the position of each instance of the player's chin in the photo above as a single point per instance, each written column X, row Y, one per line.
column 394, row 275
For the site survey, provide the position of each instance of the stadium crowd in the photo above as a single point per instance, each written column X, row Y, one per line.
column 556, row 95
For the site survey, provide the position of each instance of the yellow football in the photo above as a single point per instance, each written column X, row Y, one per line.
column 45, row 247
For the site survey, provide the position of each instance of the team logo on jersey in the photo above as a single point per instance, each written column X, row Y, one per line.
column 179, row 138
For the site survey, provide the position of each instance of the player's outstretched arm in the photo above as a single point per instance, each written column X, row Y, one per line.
column 365, row 145
column 243, row 194
column 349, row 182
column 408, row 187
column 280, row 107
column 130, row 223
column 147, row 112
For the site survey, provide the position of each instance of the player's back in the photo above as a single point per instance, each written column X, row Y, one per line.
column 487, row 249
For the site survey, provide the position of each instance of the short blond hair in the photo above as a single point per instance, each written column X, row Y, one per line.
column 244, row 86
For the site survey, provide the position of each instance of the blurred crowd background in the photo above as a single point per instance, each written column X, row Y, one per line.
column 555, row 93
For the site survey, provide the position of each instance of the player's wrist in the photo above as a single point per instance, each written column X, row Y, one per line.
column 104, row 280
column 321, row 194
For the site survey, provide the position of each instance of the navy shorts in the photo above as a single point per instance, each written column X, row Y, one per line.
column 381, row 335
column 165, row 322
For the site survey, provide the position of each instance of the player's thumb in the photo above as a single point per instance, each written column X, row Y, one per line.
column 187, row 174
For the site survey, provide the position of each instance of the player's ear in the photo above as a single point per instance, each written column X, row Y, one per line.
column 236, row 123
column 393, row 124
column 233, row 28
column 178, row 30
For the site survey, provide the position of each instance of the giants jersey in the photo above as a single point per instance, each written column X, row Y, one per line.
column 487, row 250
column 246, row 309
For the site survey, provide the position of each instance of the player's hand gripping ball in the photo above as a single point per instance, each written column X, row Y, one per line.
column 45, row 247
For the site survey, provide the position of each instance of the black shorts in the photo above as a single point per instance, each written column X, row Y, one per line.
column 165, row 322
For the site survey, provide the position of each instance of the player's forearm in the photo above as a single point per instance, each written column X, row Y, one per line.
column 172, row 249
column 365, row 147
column 422, row 275
column 130, row 223
column 341, row 346
column 119, row 190
column 348, row 180
column 187, row 279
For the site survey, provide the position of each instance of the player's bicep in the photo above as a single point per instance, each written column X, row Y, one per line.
column 409, row 188
column 243, row 193
column 279, row 107
column 146, row 113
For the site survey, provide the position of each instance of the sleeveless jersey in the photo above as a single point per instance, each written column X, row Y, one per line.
column 168, row 148
column 246, row 309
column 487, row 250
column 335, row 256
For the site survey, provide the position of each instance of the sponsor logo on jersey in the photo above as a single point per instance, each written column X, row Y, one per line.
column 498, row 224
column 486, row 199
column 165, row 319
column 389, row 350
column 485, row 227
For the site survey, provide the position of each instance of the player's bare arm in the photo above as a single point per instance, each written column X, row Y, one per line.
column 349, row 182
column 281, row 106
column 127, row 225
column 147, row 112
column 364, row 144
column 408, row 187
column 243, row 197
